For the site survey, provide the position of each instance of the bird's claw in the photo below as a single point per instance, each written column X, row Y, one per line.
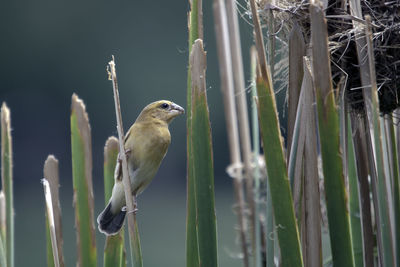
column 125, row 208
column 127, row 153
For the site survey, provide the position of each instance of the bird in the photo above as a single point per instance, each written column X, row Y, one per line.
column 146, row 144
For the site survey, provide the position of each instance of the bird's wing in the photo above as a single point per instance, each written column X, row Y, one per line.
column 118, row 166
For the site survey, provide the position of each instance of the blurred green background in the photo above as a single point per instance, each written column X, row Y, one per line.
column 50, row 49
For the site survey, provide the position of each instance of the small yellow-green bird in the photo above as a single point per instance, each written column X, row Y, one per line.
column 146, row 144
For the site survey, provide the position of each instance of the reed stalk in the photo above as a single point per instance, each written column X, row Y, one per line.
column 134, row 239
column 227, row 87
column 296, row 53
column 256, row 171
column 379, row 179
column 312, row 255
column 7, row 182
column 243, row 117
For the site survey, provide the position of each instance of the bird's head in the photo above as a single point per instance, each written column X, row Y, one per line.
column 163, row 110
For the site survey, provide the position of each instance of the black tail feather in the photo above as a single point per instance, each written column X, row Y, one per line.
column 110, row 223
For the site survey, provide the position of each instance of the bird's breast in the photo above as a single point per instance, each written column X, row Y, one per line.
column 148, row 147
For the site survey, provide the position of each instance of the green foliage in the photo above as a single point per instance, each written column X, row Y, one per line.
column 3, row 262
column 281, row 196
column 83, row 196
column 396, row 189
column 114, row 252
column 192, row 249
column 328, row 125
column 203, row 169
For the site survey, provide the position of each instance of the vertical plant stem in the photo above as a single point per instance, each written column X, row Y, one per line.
column 328, row 122
column 270, row 234
column 354, row 198
column 134, row 240
column 282, row 202
column 50, row 218
column 296, row 53
column 81, row 148
column 295, row 165
column 51, row 174
column 114, row 252
column 361, row 158
column 312, row 215
column 256, row 154
column 3, row 221
column 396, row 184
column 240, row 91
column 3, row 255
column 7, row 181
column 227, row 87
column 195, row 27
column 276, row 165
column 363, row 61
column 203, row 168
column 372, row 104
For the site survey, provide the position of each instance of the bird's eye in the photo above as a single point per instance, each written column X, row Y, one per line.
column 164, row 106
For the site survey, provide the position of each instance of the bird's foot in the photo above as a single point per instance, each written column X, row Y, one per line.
column 125, row 208
column 127, row 153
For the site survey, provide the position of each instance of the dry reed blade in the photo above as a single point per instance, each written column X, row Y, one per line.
column 51, row 174
column 362, row 166
column 295, row 165
column 384, row 229
column 7, row 181
column 354, row 199
column 296, row 53
column 51, row 223
column 312, row 210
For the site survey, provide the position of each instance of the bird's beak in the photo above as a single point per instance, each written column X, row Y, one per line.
column 178, row 108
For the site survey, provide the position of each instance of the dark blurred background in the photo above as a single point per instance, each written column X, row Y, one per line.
column 51, row 49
